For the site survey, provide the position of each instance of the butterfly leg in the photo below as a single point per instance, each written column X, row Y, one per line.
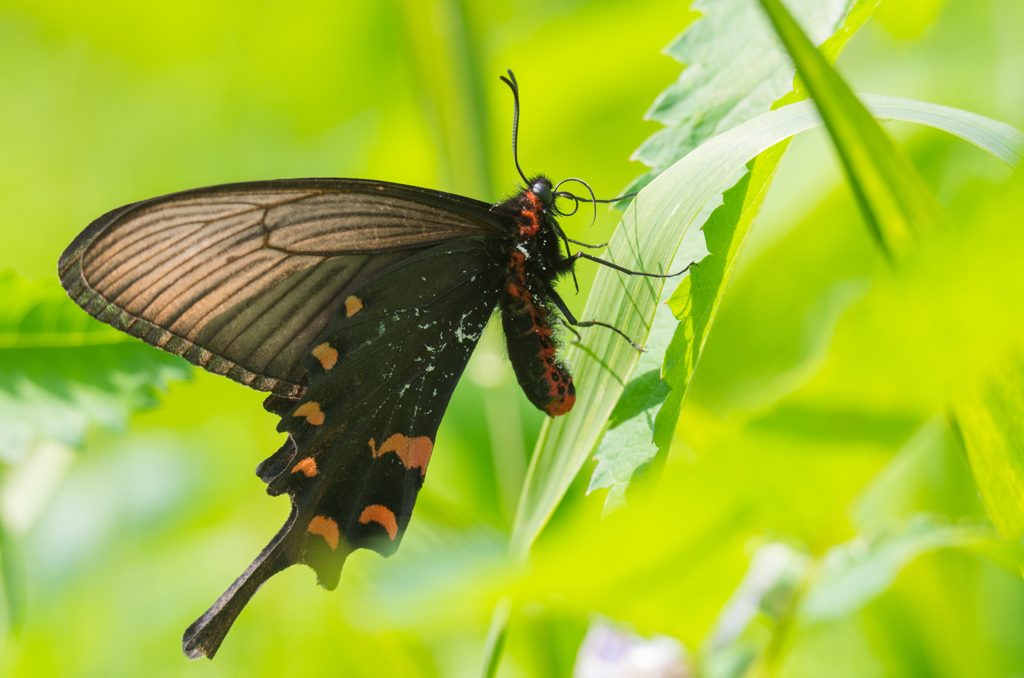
column 572, row 329
column 587, row 245
column 570, row 320
column 570, row 261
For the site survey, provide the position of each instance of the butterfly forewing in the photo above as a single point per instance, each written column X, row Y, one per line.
column 241, row 278
column 361, row 436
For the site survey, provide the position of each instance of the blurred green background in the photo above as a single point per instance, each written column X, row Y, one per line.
column 788, row 441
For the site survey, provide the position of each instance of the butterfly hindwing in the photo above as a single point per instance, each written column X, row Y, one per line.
column 381, row 375
column 241, row 278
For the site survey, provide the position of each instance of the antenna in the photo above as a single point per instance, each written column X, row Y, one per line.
column 514, row 86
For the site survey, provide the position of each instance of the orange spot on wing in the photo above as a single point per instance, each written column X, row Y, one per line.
column 327, row 356
column 381, row 515
column 326, row 528
column 306, row 466
column 311, row 411
column 353, row 305
column 420, row 449
column 414, row 452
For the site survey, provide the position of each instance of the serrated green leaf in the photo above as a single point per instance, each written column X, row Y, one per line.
column 626, row 451
column 627, row 444
column 735, row 70
column 629, row 447
column 62, row 371
column 853, row 574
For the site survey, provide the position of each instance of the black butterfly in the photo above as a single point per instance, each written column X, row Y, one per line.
column 356, row 304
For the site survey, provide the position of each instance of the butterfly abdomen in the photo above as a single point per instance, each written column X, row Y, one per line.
column 532, row 346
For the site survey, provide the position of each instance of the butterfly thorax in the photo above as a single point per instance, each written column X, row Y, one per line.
column 534, row 261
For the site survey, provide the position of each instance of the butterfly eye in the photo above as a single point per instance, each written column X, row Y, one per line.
column 543, row 191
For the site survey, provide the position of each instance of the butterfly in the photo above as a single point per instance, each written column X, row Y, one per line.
column 356, row 304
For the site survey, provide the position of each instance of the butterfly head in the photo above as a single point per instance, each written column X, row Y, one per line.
column 542, row 189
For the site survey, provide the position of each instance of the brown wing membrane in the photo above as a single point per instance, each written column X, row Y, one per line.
column 240, row 278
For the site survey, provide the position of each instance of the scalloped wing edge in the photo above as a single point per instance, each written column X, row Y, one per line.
column 96, row 305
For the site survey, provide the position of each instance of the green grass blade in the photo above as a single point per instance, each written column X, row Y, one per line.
column 496, row 635
column 990, row 421
column 893, row 198
column 1001, row 140
column 447, row 74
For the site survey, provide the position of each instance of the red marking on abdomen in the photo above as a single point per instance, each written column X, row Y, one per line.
column 516, row 285
column 563, row 404
column 531, row 217
column 557, row 379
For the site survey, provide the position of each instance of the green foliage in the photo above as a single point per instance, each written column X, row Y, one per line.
column 625, row 450
column 735, row 69
column 991, row 422
column 898, row 207
column 696, row 107
column 62, row 371
column 807, row 509
column 853, row 574
column 894, row 199
column 12, row 572
column 786, row 592
column 697, row 297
